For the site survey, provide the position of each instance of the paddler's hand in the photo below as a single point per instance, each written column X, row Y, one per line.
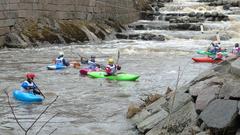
column 118, row 67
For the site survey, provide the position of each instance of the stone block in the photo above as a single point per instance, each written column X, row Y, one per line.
column 90, row 9
column 92, row 3
column 25, row 13
column 7, row 22
column 13, row 1
column 26, row 6
column 64, row 15
column 13, row 6
column 81, row 8
column 4, row 30
column 65, row 8
column 11, row 14
column 2, row 41
column 2, row 15
column 80, row 15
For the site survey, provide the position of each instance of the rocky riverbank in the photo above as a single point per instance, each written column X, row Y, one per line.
column 209, row 104
column 47, row 31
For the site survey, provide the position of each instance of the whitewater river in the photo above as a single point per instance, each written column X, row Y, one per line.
column 93, row 106
column 89, row 106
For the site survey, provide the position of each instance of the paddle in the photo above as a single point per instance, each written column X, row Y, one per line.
column 118, row 56
column 38, row 88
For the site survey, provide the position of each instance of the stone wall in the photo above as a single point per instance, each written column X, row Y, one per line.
column 11, row 11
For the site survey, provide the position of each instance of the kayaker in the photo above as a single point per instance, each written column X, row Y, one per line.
column 218, row 56
column 60, row 60
column 91, row 63
column 236, row 49
column 214, row 47
column 28, row 85
column 112, row 68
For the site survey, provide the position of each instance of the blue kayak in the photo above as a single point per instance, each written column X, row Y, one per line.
column 56, row 67
column 27, row 97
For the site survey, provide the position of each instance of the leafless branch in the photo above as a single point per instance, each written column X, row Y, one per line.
column 46, row 123
column 41, row 114
column 9, row 103
column 53, row 131
column 174, row 95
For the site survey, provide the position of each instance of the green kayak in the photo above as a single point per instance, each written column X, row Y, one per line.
column 209, row 53
column 118, row 77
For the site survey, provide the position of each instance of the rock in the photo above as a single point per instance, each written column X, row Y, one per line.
column 203, row 133
column 220, row 114
column 149, row 110
column 121, row 36
column 152, row 120
column 139, row 117
column 133, row 36
column 180, row 100
column 132, row 110
column 205, row 97
column 235, row 67
column 196, row 129
column 203, row 76
column 230, row 89
column 238, row 132
column 184, row 26
column 151, row 98
column 203, row 83
column 180, row 120
column 159, row 38
column 238, row 108
column 140, row 27
column 13, row 40
column 2, row 41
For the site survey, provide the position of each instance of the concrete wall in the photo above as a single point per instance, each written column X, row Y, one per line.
column 13, row 10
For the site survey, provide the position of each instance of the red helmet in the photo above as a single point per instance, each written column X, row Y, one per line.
column 30, row 75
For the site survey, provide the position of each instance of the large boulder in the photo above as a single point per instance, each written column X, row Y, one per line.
column 149, row 110
column 178, row 122
column 235, row 67
column 231, row 88
column 206, row 96
column 152, row 120
column 220, row 114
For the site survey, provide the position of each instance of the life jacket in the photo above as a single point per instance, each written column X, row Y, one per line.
column 111, row 69
column 27, row 84
column 219, row 55
column 59, row 61
column 236, row 50
column 92, row 65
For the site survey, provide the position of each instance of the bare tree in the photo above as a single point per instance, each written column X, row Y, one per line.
column 26, row 130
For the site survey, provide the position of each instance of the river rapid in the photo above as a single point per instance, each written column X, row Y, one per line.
column 89, row 106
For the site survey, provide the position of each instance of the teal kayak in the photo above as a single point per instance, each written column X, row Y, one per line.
column 118, row 77
column 210, row 54
column 27, row 97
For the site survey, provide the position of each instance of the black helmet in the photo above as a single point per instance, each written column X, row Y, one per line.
column 236, row 45
column 92, row 56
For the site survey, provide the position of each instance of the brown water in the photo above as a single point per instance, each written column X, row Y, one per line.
column 92, row 106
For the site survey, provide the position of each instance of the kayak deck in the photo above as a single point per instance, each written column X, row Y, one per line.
column 118, row 77
column 27, row 97
column 55, row 67
column 206, row 60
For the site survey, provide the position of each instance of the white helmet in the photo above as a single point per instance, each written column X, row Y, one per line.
column 61, row 53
